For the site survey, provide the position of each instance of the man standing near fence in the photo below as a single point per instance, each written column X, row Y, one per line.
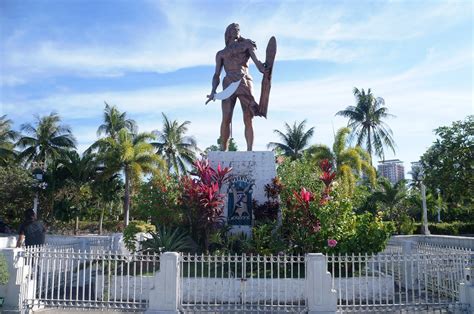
column 32, row 231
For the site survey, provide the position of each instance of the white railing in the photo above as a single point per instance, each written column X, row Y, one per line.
column 392, row 281
column 83, row 243
column 65, row 278
column 398, row 281
column 242, row 283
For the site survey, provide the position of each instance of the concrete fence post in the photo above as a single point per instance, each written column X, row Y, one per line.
column 466, row 288
column 164, row 297
column 409, row 271
column 18, row 271
column 320, row 295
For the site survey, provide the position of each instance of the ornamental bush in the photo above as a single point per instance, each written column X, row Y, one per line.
column 318, row 217
column 134, row 227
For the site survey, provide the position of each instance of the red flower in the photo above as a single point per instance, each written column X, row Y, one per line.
column 306, row 195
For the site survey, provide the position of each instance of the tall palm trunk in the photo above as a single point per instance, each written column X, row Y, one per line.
column 101, row 220
column 76, row 227
column 369, row 146
column 126, row 205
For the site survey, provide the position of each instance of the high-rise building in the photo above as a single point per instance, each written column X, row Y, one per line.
column 392, row 169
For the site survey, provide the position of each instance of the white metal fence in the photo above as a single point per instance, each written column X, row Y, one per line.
column 83, row 243
column 68, row 278
column 426, row 278
column 395, row 281
column 246, row 283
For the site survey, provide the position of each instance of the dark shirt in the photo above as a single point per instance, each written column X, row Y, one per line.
column 34, row 232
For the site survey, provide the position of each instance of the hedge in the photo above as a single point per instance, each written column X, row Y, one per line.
column 448, row 228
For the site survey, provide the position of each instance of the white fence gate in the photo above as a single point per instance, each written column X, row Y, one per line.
column 67, row 278
column 242, row 283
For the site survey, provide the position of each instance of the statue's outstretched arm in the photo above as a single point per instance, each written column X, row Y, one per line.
column 216, row 77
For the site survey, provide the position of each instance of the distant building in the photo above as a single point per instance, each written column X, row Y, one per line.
column 392, row 169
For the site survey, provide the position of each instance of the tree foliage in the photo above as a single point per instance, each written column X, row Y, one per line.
column 366, row 120
column 16, row 193
column 449, row 163
column 7, row 138
column 295, row 139
column 46, row 140
column 114, row 121
column 177, row 149
column 350, row 162
column 130, row 154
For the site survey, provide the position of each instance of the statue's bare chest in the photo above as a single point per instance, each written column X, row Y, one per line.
column 236, row 53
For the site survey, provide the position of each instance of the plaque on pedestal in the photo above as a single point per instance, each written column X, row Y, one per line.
column 251, row 171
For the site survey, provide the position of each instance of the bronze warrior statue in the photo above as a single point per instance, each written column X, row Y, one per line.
column 234, row 58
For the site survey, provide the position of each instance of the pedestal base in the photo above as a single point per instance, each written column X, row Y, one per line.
column 251, row 171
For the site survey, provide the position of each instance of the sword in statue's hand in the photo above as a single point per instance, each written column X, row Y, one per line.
column 226, row 93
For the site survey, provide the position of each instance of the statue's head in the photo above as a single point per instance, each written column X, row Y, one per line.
column 232, row 32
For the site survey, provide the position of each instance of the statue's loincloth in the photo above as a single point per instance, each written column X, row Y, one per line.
column 246, row 84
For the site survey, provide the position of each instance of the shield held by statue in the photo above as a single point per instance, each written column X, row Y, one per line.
column 267, row 77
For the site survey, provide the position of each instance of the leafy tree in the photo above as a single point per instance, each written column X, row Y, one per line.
column 449, row 164
column 16, row 193
column 349, row 162
column 7, row 138
column 131, row 154
column 158, row 200
column 45, row 141
column 294, row 141
column 366, row 120
column 114, row 121
column 178, row 150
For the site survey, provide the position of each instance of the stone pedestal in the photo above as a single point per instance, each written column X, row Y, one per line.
column 251, row 171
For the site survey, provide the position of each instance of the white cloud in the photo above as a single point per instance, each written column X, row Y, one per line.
column 418, row 106
column 305, row 30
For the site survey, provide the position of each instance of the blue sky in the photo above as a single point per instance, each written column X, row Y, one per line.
column 149, row 57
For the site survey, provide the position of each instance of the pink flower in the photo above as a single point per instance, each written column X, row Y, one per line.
column 332, row 242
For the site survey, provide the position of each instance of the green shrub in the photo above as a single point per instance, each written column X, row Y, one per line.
column 266, row 239
column 407, row 225
column 448, row 228
column 168, row 240
column 132, row 229
column 4, row 274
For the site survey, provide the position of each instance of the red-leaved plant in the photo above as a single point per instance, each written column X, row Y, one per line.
column 202, row 197
column 303, row 215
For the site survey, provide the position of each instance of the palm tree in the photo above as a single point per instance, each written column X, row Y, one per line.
column 78, row 172
column 348, row 161
column 131, row 154
column 366, row 122
column 294, row 141
column 177, row 149
column 7, row 136
column 391, row 197
column 114, row 121
column 46, row 141
column 416, row 177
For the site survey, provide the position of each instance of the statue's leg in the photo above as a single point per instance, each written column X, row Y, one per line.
column 227, row 112
column 246, row 102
